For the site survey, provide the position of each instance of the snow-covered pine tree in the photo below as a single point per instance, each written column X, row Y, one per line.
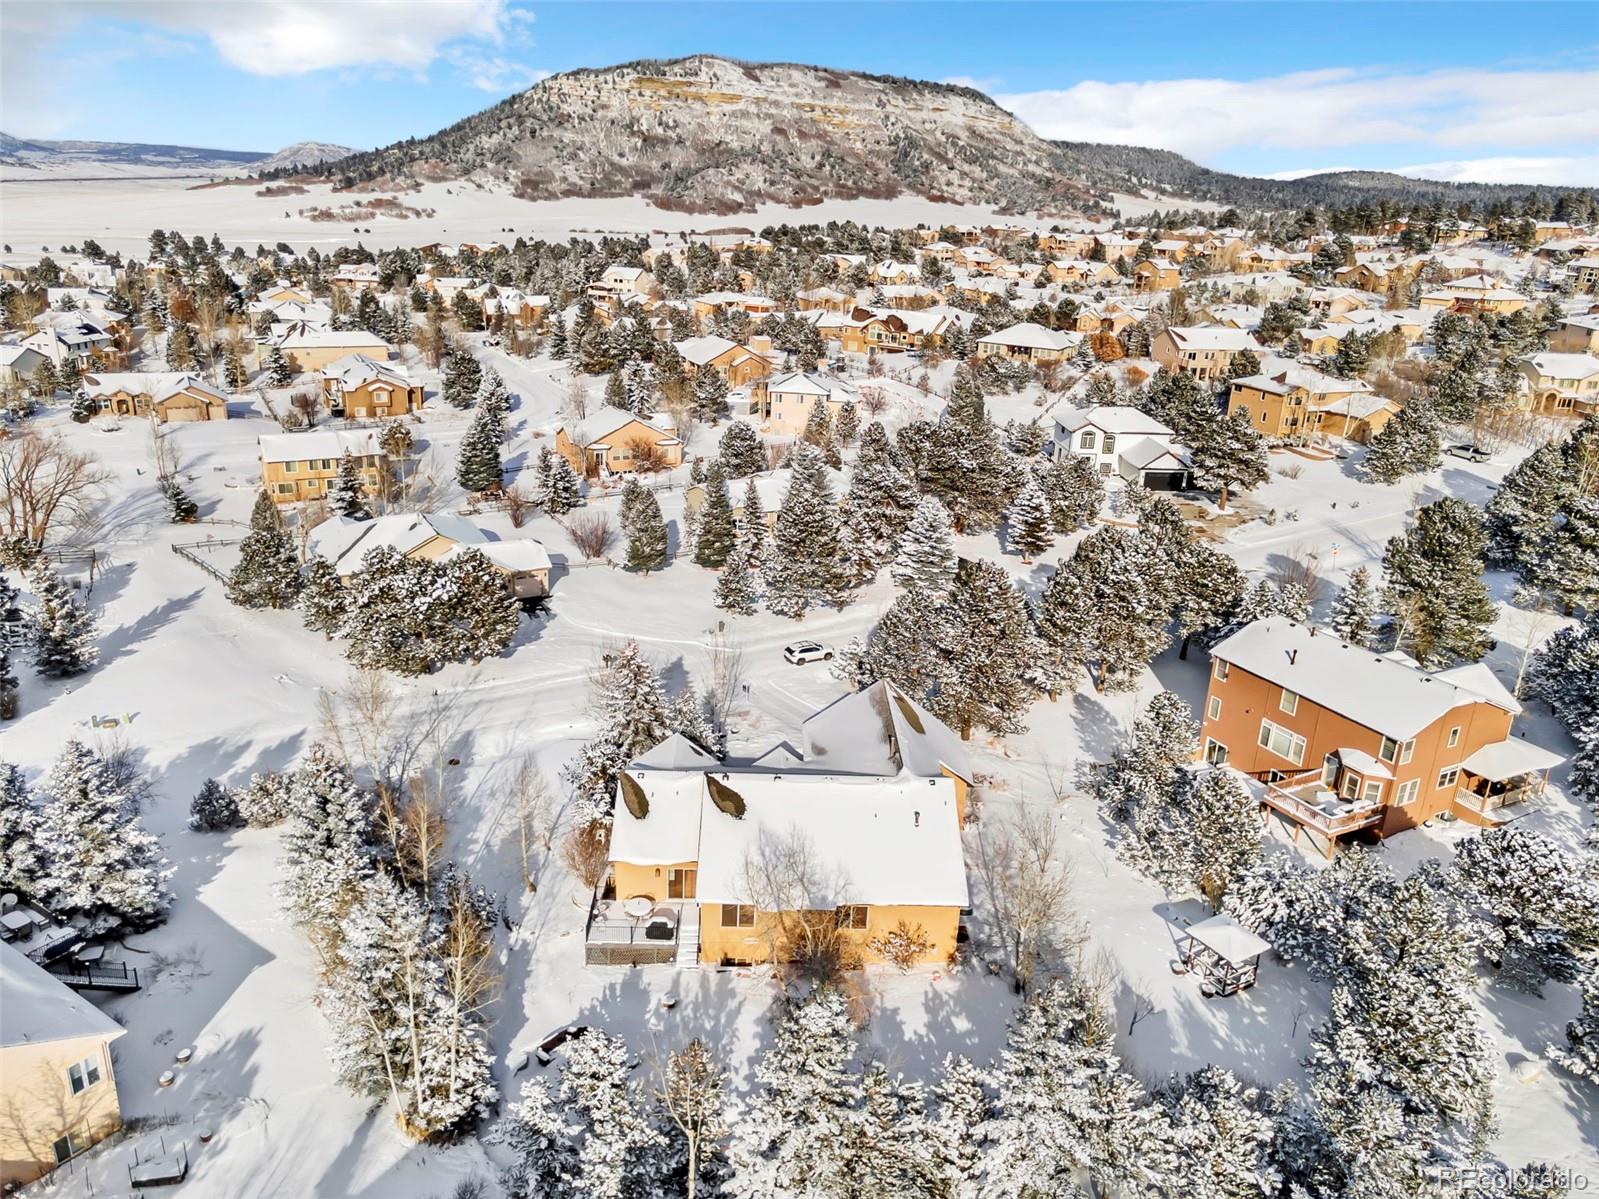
column 1409, row 444
column 180, row 508
column 1522, row 512
column 1103, row 606
column 961, row 1107
column 214, row 808
column 277, row 369
column 1075, row 493
column 471, row 612
column 1566, row 563
column 927, row 558
column 1228, row 454
column 180, row 347
column 494, row 397
column 83, row 408
column 878, row 505
column 647, row 542
column 1580, row 1053
column 24, row 861
column 62, row 630
column 462, row 377
column 1354, row 612
column 710, row 397
column 326, row 845
column 264, row 514
column 558, row 342
column 717, row 535
column 1208, row 586
column 1435, row 588
column 991, row 652
column 347, row 492
column 1219, row 1137
column 555, row 485
column 1029, row 530
column 741, row 451
column 804, row 568
column 103, row 863
column 324, row 600
column 8, row 684
column 738, row 586
column 234, row 376
column 1064, row 1105
column 753, row 534
column 392, row 613
column 848, row 425
column 478, row 468
column 795, row 1138
column 267, row 574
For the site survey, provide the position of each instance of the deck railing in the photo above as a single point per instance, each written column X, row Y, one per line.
column 1330, row 820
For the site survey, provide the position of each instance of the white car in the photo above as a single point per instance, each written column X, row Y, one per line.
column 801, row 652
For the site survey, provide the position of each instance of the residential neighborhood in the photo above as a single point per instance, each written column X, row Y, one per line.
column 520, row 680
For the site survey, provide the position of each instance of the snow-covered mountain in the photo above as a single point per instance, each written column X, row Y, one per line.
column 710, row 134
column 303, row 155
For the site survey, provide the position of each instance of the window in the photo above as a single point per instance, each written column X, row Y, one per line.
column 738, row 915
column 83, row 1075
column 66, row 1148
column 1407, row 751
column 1283, row 742
column 1373, row 791
column 852, row 915
column 1215, row 752
column 680, row 882
column 1448, row 777
column 1213, row 708
column 1289, row 702
column 1351, row 786
column 1108, row 444
column 1086, row 441
column 1407, row 792
column 285, row 488
column 1222, row 667
column 1454, row 736
column 1104, row 469
column 290, row 468
column 1388, row 750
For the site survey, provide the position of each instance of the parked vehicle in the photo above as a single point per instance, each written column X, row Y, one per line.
column 802, row 652
column 1471, row 453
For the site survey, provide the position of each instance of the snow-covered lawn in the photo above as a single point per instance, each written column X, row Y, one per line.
column 205, row 689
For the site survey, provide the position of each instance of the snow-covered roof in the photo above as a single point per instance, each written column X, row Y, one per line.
column 1508, row 758
column 308, row 339
column 871, row 840
column 1213, row 337
column 1121, row 419
column 1149, row 453
column 344, row 542
column 881, row 731
column 1228, row 940
column 1363, row 763
column 1390, row 697
column 1031, row 336
column 10, row 355
column 158, row 385
column 669, row 830
column 1278, row 376
column 40, row 1008
column 355, row 369
column 318, row 443
column 677, row 752
column 606, row 420
column 811, row 384
column 1565, row 366
column 700, row 350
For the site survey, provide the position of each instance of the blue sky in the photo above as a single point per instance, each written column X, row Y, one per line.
column 1479, row 90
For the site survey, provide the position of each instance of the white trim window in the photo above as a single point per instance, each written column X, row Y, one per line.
column 1407, row 792
column 1407, row 751
column 1448, row 777
column 1288, row 702
column 1222, row 668
column 1215, row 752
column 1388, row 750
column 1213, row 708
column 1454, row 737
column 83, row 1075
column 1285, row 743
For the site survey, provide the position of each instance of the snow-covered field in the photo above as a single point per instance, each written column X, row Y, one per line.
column 205, row 689
column 119, row 214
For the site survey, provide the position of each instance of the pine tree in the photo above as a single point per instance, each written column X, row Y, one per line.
column 710, row 396
column 1409, row 444
column 647, row 544
column 1074, row 491
column 818, row 426
column 478, row 468
column 83, row 408
column 180, row 347
column 558, row 343
column 324, row 601
column 1219, row 1136
column 962, row 1105
column 494, row 397
column 1354, row 612
column 1435, row 586
column 180, row 508
column 1029, row 530
column 102, row 861
column 1580, row 1053
column 848, row 425
column 1566, row 564
column 326, row 844
column 24, row 860
column 265, row 516
column 233, row 372
column 1104, row 606
column 8, row 684
column 277, row 368
column 805, row 568
column 740, row 451
column 62, row 630
column 462, row 377
column 877, row 507
column 927, row 558
column 1228, row 454
column 1208, row 586
column 737, row 586
column 716, row 534
column 471, row 612
column 267, row 574
column 752, row 530
column 990, row 652
column 555, row 486
column 1521, row 514
column 347, row 492
column 214, row 808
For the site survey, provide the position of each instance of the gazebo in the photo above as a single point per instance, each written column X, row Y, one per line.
column 1225, row 955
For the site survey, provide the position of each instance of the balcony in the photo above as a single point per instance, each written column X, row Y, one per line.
column 1307, row 800
column 640, row 932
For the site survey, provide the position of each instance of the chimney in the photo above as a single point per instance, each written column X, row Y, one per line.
column 1293, row 656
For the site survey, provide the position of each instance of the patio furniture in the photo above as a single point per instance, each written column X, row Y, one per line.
column 1224, row 955
column 638, row 907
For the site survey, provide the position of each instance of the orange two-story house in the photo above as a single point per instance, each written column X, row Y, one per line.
column 1348, row 741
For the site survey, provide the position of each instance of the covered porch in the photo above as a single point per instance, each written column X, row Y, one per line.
column 1502, row 777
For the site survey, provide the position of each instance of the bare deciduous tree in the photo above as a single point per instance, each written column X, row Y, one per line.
column 724, row 679
column 692, row 1091
column 535, row 813
column 591, row 531
column 1299, row 567
column 43, row 482
column 1028, row 888
column 784, row 880
column 587, row 852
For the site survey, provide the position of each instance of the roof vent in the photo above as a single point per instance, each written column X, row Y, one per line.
column 1293, row 656
column 918, row 816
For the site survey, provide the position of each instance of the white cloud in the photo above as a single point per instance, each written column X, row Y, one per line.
column 1486, row 109
column 493, row 74
column 1575, row 170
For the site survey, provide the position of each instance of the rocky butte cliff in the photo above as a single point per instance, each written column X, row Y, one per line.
column 712, row 135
